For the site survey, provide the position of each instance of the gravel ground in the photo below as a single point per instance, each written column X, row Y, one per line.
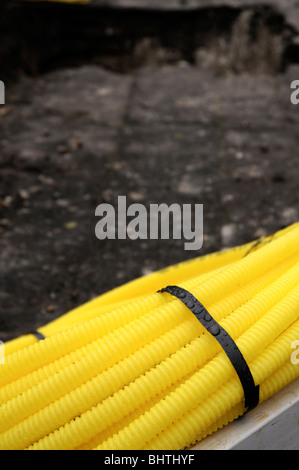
column 184, row 133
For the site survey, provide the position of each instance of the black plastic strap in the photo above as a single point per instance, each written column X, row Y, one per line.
column 38, row 335
column 251, row 391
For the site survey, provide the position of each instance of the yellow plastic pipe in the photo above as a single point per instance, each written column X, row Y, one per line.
column 187, row 359
column 134, row 369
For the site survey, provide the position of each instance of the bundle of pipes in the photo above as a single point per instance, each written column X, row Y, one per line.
column 135, row 369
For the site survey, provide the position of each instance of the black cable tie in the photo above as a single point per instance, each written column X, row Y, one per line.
column 251, row 391
column 38, row 335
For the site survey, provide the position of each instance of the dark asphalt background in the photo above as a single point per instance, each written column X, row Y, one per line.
column 149, row 121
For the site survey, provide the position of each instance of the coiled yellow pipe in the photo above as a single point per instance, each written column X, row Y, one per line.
column 271, row 379
column 144, row 286
column 134, row 369
column 189, row 358
column 239, row 297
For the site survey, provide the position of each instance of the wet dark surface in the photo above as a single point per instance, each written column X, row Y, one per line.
column 180, row 132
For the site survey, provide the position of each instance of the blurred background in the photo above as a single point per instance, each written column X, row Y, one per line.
column 186, row 102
